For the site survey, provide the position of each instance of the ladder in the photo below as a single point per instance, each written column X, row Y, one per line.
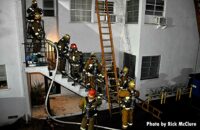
column 108, row 54
column 144, row 105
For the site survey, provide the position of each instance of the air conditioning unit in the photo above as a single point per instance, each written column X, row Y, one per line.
column 112, row 18
column 161, row 22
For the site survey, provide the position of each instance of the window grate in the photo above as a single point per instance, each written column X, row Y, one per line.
column 154, row 7
column 3, row 77
column 81, row 10
column 48, row 8
column 132, row 11
column 102, row 7
column 150, row 67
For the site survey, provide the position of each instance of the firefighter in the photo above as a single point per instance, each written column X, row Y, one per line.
column 37, row 34
column 123, row 80
column 63, row 51
column 32, row 10
column 75, row 60
column 92, row 69
column 34, row 20
column 35, row 29
column 89, row 106
column 127, row 97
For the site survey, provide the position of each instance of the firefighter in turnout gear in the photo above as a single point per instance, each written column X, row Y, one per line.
column 92, row 69
column 123, row 80
column 63, row 50
column 32, row 10
column 35, row 29
column 89, row 106
column 75, row 60
column 127, row 102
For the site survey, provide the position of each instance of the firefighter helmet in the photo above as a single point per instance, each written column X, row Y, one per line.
column 73, row 46
column 34, row 3
column 92, row 55
column 91, row 93
column 125, row 70
column 37, row 16
column 131, row 84
column 66, row 37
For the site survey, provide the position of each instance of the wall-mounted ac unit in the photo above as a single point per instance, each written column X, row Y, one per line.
column 161, row 22
column 113, row 18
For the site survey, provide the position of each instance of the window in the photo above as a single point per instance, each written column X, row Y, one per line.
column 102, row 7
column 129, row 61
column 154, row 7
column 150, row 67
column 48, row 8
column 132, row 11
column 81, row 10
column 3, row 77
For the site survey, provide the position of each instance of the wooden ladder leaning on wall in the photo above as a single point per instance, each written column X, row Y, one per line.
column 108, row 54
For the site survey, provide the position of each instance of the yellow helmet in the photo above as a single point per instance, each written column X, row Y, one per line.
column 131, row 84
column 37, row 16
column 66, row 37
column 34, row 1
column 125, row 69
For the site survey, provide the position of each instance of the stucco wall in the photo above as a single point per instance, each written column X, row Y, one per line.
column 177, row 45
column 11, row 39
column 86, row 34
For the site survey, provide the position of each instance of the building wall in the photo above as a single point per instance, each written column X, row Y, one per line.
column 86, row 34
column 143, row 40
column 177, row 45
column 12, row 100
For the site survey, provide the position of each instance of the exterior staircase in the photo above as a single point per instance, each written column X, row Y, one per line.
column 78, row 89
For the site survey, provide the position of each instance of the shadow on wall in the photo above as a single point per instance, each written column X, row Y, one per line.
column 183, row 78
column 157, row 82
column 155, row 86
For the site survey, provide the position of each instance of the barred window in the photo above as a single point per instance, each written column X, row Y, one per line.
column 102, row 7
column 129, row 61
column 48, row 8
column 81, row 10
column 154, row 7
column 132, row 11
column 3, row 77
column 150, row 67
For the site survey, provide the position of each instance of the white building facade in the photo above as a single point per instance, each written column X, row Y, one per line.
column 165, row 52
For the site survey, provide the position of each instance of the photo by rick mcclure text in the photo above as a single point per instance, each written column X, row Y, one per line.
column 171, row 124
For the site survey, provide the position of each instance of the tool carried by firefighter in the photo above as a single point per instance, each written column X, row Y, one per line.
column 89, row 106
